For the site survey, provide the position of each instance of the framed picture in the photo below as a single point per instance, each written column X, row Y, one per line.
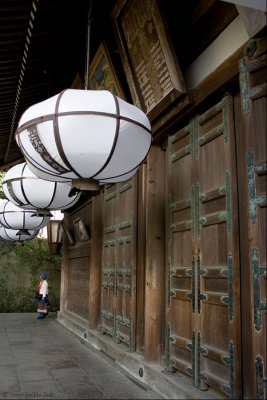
column 68, row 233
column 77, row 82
column 102, row 75
column 152, row 69
column 81, row 229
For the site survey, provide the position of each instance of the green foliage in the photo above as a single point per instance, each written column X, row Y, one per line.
column 20, row 269
column 2, row 175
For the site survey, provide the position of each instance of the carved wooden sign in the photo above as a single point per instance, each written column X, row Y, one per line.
column 152, row 71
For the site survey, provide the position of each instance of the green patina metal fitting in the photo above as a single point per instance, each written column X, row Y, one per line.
column 118, row 190
column 172, row 156
column 123, row 339
column 170, row 272
column 192, row 347
column 227, row 191
column 226, row 359
column 190, row 129
column 230, row 390
column 171, row 227
column 224, row 127
column 109, row 243
column 107, row 315
column 125, row 224
column 229, row 299
column 201, row 350
column 254, row 201
column 123, row 321
column 171, row 339
column 200, row 296
column 246, row 94
column 257, row 273
column 192, row 296
column 110, row 229
column 127, row 323
column 261, row 381
column 191, row 202
column 110, row 317
column 198, row 141
column 126, row 186
column 124, row 272
column 112, row 195
column 107, row 330
column 200, row 221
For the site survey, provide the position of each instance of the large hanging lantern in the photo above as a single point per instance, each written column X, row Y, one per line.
column 14, row 217
column 11, row 235
column 23, row 188
column 89, row 137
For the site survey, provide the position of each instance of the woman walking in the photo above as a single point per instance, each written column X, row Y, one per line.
column 43, row 292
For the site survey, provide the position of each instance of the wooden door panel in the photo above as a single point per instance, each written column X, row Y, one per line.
column 181, row 299
column 218, row 260
column 78, row 288
column 118, row 287
column 203, row 258
column 251, row 119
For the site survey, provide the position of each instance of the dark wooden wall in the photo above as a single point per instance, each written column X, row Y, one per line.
column 174, row 265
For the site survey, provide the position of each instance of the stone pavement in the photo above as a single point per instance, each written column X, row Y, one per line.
column 41, row 359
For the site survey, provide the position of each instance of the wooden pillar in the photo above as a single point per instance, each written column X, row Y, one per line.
column 64, row 269
column 154, row 283
column 141, row 259
column 95, row 265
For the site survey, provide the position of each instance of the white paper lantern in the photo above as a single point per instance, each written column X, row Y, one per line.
column 23, row 188
column 11, row 235
column 14, row 217
column 86, row 136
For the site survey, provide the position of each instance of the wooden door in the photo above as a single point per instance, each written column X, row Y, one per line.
column 251, row 122
column 118, row 277
column 203, row 321
column 78, row 280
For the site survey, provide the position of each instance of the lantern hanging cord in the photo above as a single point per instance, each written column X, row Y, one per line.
column 88, row 34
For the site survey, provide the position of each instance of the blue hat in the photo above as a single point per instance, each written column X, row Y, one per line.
column 43, row 275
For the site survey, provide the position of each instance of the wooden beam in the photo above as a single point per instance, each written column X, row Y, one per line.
column 154, row 278
column 226, row 73
column 95, row 264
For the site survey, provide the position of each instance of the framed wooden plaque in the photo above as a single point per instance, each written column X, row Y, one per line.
column 102, row 75
column 68, row 233
column 81, row 229
column 151, row 68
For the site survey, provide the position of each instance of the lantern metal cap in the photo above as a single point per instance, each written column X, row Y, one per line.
column 23, row 232
column 42, row 212
column 85, row 184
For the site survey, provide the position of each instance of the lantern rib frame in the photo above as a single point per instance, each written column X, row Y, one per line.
column 21, row 185
column 115, row 136
column 41, row 168
column 3, row 213
column 58, row 139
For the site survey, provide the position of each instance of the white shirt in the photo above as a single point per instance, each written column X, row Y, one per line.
column 44, row 288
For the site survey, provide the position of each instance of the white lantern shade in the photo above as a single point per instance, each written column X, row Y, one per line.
column 84, row 134
column 11, row 235
column 23, row 188
column 14, row 217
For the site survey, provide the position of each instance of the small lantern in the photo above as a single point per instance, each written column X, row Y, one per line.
column 89, row 137
column 54, row 236
column 11, row 235
column 14, row 217
column 23, row 188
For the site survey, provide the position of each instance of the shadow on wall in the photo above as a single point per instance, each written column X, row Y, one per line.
column 20, row 269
